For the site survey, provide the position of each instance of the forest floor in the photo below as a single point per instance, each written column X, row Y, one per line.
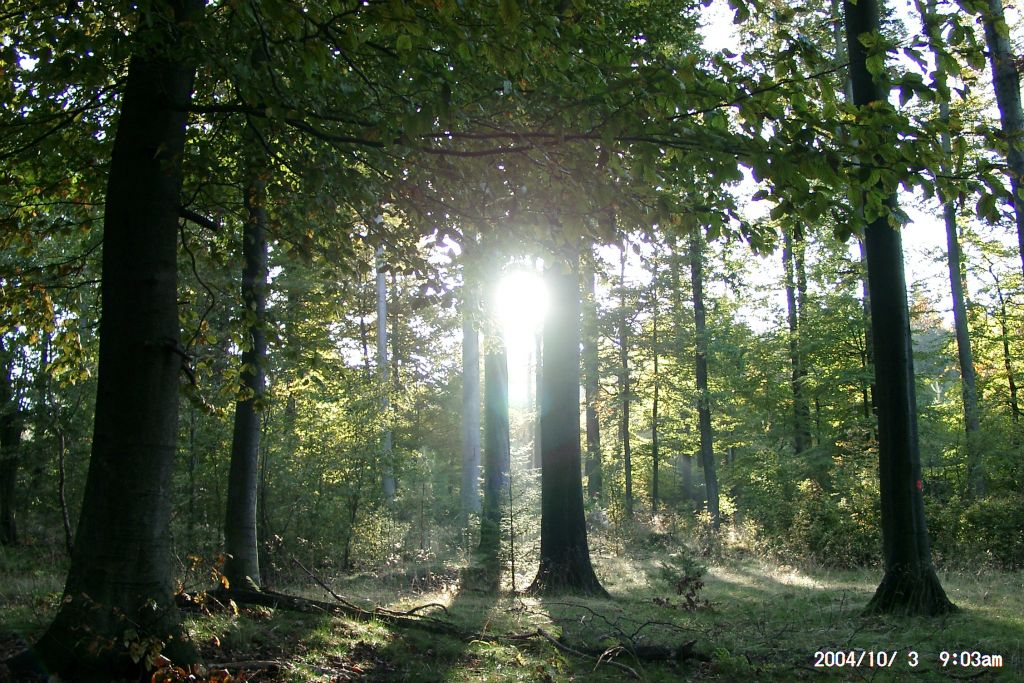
column 751, row 621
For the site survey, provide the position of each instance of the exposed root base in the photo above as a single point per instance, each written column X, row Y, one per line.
column 910, row 593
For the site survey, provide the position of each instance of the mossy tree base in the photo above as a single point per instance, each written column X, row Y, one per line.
column 911, row 593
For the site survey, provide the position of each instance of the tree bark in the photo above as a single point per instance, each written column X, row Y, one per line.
column 470, row 491
column 242, row 567
column 801, row 411
column 119, row 583
column 910, row 585
column 707, row 447
column 591, row 384
column 564, row 554
column 1004, row 331
column 11, row 425
column 654, row 407
column 1006, row 83
column 496, row 453
column 957, row 276
column 624, row 402
column 685, row 459
column 383, row 372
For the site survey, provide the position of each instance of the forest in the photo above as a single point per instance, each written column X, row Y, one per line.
column 498, row 340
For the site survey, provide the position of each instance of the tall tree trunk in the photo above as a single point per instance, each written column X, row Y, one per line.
column 801, row 411
column 383, row 371
column 539, row 368
column 685, row 458
column 591, row 383
column 1004, row 331
column 242, row 567
column 364, row 335
column 624, row 402
column 470, row 491
column 867, row 361
column 707, row 447
column 119, row 583
column 1006, row 83
column 910, row 585
column 496, row 453
column 654, row 407
column 957, row 279
column 564, row 554
column 11, row 423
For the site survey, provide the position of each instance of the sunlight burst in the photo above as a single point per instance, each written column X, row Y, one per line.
column 520, row 302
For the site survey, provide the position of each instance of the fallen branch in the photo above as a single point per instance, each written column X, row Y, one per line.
column 600, row 660
column 323, row 584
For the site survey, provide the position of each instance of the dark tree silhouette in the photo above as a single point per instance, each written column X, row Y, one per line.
column 910, row 585
column 564, row 555
column 119, row 584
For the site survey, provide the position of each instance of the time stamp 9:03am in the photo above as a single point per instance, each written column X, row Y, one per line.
column 882, row 659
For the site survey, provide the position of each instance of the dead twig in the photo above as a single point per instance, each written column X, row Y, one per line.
column 600, row 660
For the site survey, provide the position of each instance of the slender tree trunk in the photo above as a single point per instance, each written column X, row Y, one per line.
column 1007, row 358
column 496, row 453
column 539, row 367
column 1006, row 83
column 62, row 499
column 364, row 335
column 654, row 407
column 685, row 459
column 242, row 567
column 387, row 471
column 910, row 585
column 624, row 402
column 564, row 554
column 396, row 358
column 801, row 412
column 119, row 583
column 470, row 492
column 957, row 279
column 707, row 448
column 591, row 383
column 11, row 423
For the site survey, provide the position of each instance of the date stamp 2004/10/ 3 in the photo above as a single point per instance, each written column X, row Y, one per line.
column 884, row 659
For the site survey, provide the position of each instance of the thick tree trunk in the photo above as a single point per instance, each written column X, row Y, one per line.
column 242, row 568
column 707, row 448
column 591, row 384
column 801, row 411
column 383, row 371
column 564, row 554
column 496, row 453
column 624, row 398
column 470, row 491
column 10, row 443
column 910, row 585
column 1006, row 83
column 119, row 583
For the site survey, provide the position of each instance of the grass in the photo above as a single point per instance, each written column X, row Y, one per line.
column 763, row 623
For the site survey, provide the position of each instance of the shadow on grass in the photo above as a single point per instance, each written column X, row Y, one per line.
column 422, row 655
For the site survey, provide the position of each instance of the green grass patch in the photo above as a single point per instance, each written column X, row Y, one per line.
column 753, row 621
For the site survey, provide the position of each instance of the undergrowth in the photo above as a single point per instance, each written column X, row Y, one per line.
column 742, row 617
